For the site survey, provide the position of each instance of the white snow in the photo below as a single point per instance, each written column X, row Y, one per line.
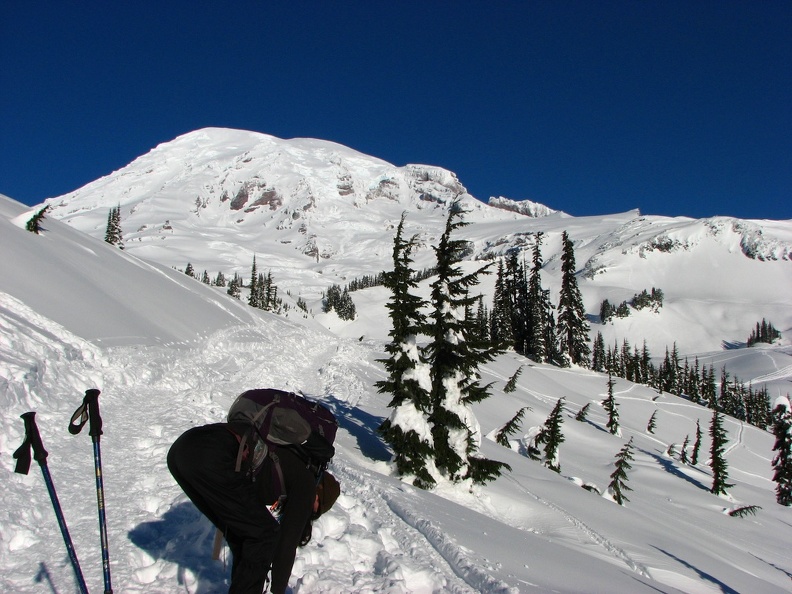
column 169, row 353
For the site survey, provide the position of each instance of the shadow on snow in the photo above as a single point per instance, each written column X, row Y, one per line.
column 183, row 536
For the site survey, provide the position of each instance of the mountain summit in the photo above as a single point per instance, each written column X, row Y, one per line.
column 247, row 190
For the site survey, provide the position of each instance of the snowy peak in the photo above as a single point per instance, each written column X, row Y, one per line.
column 524, row 207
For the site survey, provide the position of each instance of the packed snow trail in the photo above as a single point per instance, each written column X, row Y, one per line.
column 361, row 546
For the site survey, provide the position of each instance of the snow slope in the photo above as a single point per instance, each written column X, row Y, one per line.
column 532, row 530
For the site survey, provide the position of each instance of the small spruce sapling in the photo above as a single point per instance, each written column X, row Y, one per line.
column 650, row 427
column 744, row 510
column 502, row 437
column 696, row 445
column 683, row 457
column 553, row 437
column 511, row 385
column 583, row 413
column 619, row 477
column 34, row 224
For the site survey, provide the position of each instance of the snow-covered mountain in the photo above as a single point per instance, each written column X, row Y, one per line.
column 168, row 353
column 530, row 531
column 316, row 213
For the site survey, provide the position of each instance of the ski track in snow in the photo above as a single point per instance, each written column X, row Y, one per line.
column 588, row 532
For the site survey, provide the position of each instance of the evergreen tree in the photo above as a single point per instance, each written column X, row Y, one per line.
column 454, row 360
column 619, row 477
column 502, row 309
column 189, row 271
column 598, row 353
column 254, row 298
column 34, row 223
column 583, row 412
column 540, row 331
column 233, row 288
column 650, row 427
column 606, row 311
column 782, row 462
column 511, row 385
column 696, row 445
column 219, row 280
column 572, row 327
column 683, row 456
column 552, row 437
column 717, row 461
column 510, row 428
column 113, row 234
column 407, row 430
column 205, row 278
column 611, row 407
column 709, row 388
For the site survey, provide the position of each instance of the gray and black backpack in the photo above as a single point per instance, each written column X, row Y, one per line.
column 274, row 419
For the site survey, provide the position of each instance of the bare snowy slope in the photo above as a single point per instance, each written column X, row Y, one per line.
column 90, row 280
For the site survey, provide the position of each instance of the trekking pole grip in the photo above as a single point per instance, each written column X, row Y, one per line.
column 87, row 411
column 32, row 440
column 33, row 435
column 95, row 419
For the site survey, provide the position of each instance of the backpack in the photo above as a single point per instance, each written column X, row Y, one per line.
column 274, row 419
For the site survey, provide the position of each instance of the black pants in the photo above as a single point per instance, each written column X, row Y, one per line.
column 202, row 462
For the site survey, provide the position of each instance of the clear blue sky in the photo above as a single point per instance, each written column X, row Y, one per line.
column 592, row 107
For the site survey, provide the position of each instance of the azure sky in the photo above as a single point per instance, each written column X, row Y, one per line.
column 674, row 108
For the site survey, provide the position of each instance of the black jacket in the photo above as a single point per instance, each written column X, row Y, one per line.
column 300, row 487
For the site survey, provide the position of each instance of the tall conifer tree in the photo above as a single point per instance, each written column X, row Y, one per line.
column 717, row 462
column 407, row 430
column 572, row 327
column 611, row 407
column 454, row 360
column 782, row 462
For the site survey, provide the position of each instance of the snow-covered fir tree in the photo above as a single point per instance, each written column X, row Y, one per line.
column 254, row 297
column 694, row 456
column 511, row 427
column 652, row 424
column 511, row 384
column 612, row 408
column 683, row 455
column 782, row 461
column 552, row 437
column 572, row 327
column 454, row 360
column 189, row 271
column 582, row 414
column 619, row 476
column 718, row 463
column 598, row 353
column 113, row 234
column 501, row 329
column 34, row 223
column 234, row 287
column 541, row 345
column 407, row 431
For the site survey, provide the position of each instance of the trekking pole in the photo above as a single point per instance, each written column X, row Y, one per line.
column 89, row 410
column 22, row 456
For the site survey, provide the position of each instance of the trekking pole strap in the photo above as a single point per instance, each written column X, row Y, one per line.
column 87, row 411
